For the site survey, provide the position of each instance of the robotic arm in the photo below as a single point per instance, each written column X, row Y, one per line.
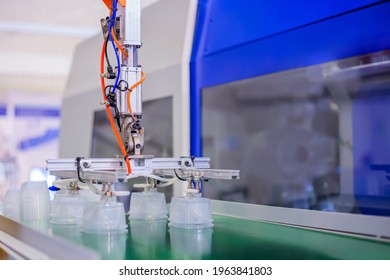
column 123, row 102
column 122, row 31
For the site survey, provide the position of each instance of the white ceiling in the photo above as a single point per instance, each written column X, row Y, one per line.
column 37, row 40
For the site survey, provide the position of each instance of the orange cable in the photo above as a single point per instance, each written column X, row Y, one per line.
column 111, row 119
column 131, row 89
column 118, row 44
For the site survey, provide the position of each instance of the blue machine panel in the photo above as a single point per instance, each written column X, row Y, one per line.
column 233, row 23
column 341, row 37
column 234, row 41
column 350, row 34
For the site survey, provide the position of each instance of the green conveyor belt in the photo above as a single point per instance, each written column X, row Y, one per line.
column 230, row 238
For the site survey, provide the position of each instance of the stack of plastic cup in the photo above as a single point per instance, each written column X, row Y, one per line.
column 148, row 205
column 67, row 208
column 105, row 216
column 34, row 202
column 191, row 212
column 12, row 204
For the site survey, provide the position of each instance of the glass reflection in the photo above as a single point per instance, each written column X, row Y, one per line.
column 148, row 237
column 69, row 232
column 110, row 246
column 191, row 243
column 310, row 138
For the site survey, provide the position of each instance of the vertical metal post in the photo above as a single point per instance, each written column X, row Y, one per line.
column 130, row 70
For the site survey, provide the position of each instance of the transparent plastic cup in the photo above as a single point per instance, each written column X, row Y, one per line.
column 67, row 208
column 34, row 201
column 148, row 205
column 12, row 204
column 191, row 212
column 105, row 216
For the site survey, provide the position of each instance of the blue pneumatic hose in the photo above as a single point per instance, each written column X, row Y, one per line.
column 112, row 20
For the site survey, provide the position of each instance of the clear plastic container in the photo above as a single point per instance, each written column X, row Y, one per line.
column 101, row 217
column 191, row 212
column 67, row 208
column 34, row 201
column 148, row 205
column 12, row 204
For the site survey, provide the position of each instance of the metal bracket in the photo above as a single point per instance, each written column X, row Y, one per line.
column 113, row 169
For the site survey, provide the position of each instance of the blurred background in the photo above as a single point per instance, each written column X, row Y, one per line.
column 294, row 94
column 37, row 44
column 272, row 91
